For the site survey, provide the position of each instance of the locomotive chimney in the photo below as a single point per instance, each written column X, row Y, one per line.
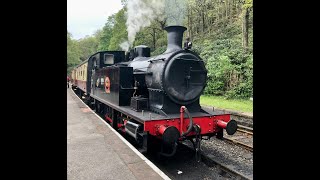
column 175, row 35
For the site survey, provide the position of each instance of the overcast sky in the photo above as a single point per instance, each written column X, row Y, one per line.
column 84, row 17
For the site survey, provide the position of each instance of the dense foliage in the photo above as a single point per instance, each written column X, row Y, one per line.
column 72, row 53
column 221, row 32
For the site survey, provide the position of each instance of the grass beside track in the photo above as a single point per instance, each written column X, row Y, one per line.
column 231, row 104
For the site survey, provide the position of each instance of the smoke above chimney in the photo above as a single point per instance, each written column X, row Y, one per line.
column 141, row 13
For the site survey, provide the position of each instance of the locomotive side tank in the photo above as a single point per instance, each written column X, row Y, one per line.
column 176, row 77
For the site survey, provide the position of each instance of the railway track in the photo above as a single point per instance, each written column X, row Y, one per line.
column 243, row 137
column 223, row 168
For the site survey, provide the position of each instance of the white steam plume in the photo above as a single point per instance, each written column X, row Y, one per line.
column 125, row 46
column 140, row 13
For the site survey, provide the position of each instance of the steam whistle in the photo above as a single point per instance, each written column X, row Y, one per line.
column 187, row 44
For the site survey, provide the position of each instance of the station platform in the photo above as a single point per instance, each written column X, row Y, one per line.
column 97, row 151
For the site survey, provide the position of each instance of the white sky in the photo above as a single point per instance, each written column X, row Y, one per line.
column 84, row 17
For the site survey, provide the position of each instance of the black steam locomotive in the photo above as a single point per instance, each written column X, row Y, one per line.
column 157, row 96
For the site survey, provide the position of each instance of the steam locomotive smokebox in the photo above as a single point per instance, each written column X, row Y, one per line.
column 139, row 103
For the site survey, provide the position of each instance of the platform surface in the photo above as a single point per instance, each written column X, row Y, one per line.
column 95, row 151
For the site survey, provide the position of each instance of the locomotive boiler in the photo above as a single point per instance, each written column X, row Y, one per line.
column 152, row 98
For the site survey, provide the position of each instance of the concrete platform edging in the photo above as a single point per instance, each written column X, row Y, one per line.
column 147, row 161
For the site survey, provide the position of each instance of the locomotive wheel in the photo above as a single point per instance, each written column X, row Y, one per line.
column 91, row 103
column 114, row 119
column 153, row 144
column 85, row 100
column 97, row 107
column 168, row 150
column 80, row 93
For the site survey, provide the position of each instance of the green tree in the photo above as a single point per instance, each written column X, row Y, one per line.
column 221, row 32
column 87, row 47
column 153, row 36
column 247, row 7
column 119, row 31
column 73, row 53
column 106, row 34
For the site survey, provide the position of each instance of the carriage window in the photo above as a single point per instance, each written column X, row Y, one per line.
column 108, row 59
